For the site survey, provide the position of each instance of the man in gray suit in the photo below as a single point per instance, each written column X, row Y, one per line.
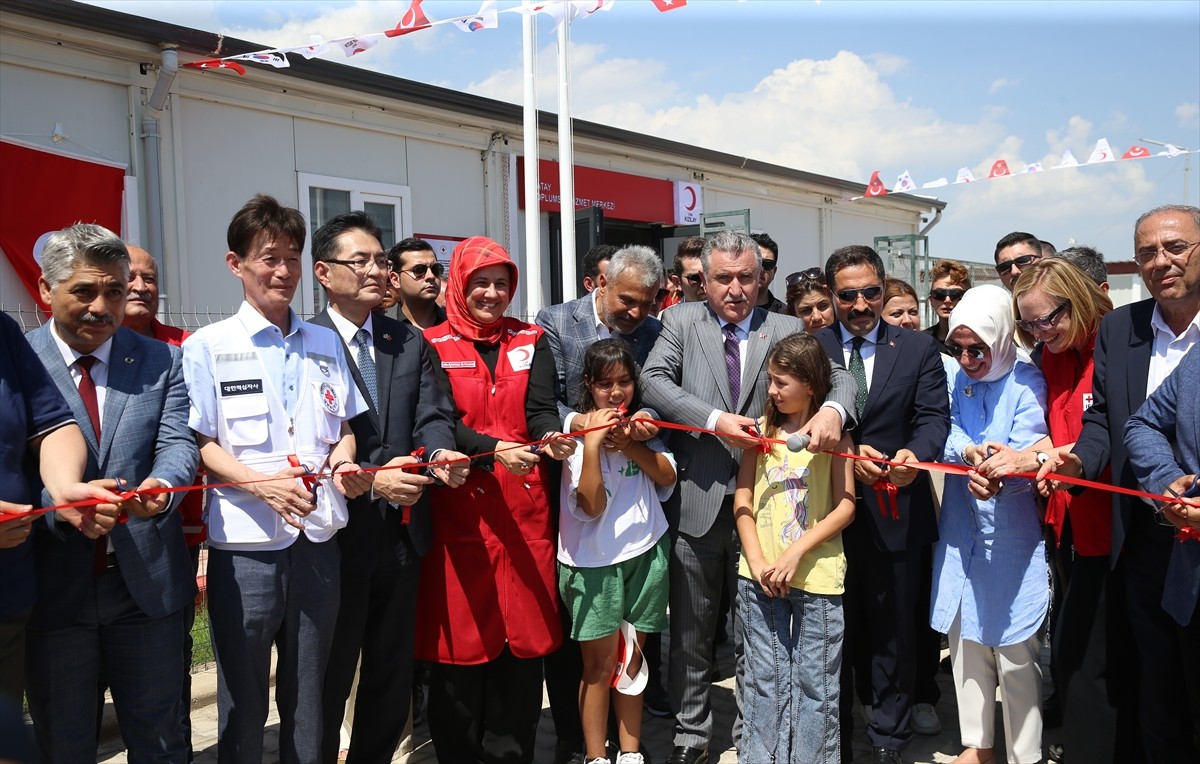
column 111, row 609
column 688, row 380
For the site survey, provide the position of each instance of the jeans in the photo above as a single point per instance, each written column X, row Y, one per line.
column 792, row 683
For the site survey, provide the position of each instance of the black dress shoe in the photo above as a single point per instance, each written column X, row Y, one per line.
column 686, row 754
column 885, row 756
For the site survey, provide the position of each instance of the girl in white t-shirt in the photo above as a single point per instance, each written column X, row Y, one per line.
column 612, row 544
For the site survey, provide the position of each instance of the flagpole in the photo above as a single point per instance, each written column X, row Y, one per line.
column 566, row 160
column 533, row 233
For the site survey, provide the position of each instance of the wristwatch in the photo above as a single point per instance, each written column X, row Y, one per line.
column 1042, row 457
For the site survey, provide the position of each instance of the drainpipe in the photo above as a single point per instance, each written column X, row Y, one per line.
column 937, row 218
column 151, row 162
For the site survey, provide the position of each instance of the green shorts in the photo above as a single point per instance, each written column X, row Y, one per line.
column 634, row 590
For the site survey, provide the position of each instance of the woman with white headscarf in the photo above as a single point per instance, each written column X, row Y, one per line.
column 990, row 592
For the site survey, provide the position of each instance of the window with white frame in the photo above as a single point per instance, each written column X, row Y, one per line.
column 323, row 197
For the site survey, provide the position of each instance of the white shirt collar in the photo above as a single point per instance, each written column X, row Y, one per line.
column 347, row 329
column 1159, row 324
column 872, row 337
column 256, row 322
column 602, row 330
column 743, row 325
column 70, row 355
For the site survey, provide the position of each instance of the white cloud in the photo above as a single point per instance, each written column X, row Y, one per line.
column 1188, row 114
column 1001, row 83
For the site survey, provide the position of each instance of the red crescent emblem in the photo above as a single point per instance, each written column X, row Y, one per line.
column 692, row 204
column 1136, row 152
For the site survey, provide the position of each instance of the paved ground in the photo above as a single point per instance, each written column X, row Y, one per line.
column 656, row 732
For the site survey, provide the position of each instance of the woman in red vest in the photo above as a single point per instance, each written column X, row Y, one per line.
column 487, row 602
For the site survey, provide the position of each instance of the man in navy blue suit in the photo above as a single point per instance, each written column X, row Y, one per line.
column 904, row 416
column 1137, row 347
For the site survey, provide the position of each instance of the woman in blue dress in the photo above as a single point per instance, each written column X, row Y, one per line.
column 991, row 591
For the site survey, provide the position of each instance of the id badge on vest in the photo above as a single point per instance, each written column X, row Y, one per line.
column 242, row 397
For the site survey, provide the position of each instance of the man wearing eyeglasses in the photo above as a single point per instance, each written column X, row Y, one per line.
column 904, row 416
column 1014, row 253
column 1137, row 347
column 418, row 275
column 769, row 251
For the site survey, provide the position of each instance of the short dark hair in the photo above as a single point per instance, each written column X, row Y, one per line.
column 1087, row 260
column 1047, row 248
column 324, row 243
column 1017, row 237
column 855, row 254
column 765, row 241
column 596, row 255
column 692, row 246
column 410, row 244
column 264, row 215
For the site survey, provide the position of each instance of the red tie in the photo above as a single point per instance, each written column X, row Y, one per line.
column 87, row 392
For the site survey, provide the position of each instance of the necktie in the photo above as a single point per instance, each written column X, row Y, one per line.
column 859, row 372
column 87, row 391
column 733, row 363
column 91, row 404
column 366, row 365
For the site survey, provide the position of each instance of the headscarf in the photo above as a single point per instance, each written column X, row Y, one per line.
column 987, row 311
column 470, row 256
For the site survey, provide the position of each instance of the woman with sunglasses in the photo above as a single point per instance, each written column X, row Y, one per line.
column 1061, row 309
column 990, row 592
column 808, row 299
column 488, row 594
column 949, row 281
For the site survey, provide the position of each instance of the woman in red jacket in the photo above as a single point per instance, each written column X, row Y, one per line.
column 487, row 604
column 1060, row 309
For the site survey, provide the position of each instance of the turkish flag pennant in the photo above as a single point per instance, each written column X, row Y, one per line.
column 413, row 20
column 875, row 187
column 217, row 63
column 999, row 168
column 668, row 5
column 1136, row 152
column 42, row 191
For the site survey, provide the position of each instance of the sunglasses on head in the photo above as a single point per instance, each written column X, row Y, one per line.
column 850, row 295
column 808, row 274
column 974, row 351
column 1024, row 261
column 943, row 294
column 419, row 271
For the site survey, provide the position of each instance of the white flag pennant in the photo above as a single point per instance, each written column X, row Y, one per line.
column 904, row 183
column 1102, row 153
column 485, row 18
column 1068, row 160
column 964, row 175
column 585, row 8
column 936, row 183
column 1032, row 167
column 268, row 57
column 316, row 47
column 352, row 46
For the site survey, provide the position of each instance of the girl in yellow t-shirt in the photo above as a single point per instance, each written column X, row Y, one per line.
column 790, row 510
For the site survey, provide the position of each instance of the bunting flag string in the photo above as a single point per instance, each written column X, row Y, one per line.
column 415, row 19
column 537, row 445
column 1101, row 154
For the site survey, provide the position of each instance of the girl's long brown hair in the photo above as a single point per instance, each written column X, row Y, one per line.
column 802, row 356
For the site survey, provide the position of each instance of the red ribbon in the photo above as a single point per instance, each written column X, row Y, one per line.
column 884, row 487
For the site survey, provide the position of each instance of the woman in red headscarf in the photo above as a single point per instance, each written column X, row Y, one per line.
column 487, row 604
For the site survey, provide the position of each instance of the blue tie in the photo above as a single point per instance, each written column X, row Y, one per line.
column 366, row 365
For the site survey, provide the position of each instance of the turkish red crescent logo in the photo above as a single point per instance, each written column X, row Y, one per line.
column 520, row 355
column 1136, row 152
column 1101, row 156
column 999, row 168
column 692, row 204
column 875, row 187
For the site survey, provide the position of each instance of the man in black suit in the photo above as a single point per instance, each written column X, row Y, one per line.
column 904, row 415
column 389, row 528
column 1137, row 347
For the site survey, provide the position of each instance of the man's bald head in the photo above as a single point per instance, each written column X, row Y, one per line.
column 143, row 290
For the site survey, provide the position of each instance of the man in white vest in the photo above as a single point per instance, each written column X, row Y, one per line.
column 271, row 399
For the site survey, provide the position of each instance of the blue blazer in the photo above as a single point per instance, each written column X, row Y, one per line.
column 1163, row 442
column 571, row 329
column 145, row 435
column 907, row 407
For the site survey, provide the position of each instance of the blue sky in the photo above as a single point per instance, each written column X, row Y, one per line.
column 841, row 88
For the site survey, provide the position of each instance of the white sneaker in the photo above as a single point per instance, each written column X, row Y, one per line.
column 925, row 720
column 598, row 760
column 631, row 758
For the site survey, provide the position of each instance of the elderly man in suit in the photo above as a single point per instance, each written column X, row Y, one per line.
column 388, row 529
column 1137, row 347
column 903, row 415
column 619, row 306
column 708, row 370
column 111, row 609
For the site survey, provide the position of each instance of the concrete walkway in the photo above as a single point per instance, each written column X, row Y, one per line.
column 657, row 733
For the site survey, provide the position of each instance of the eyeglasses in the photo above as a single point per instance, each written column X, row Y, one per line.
column 974, row 351
column 768, row 265
column 1024, row 261
column 363, row 264
column 1174, row 249
column 695, row 279
column 418, row 271
column 870, row 294
column 1043, row 324
column 808, row 274
column 946, row 294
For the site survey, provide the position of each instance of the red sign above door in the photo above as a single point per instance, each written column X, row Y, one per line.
column 622, row 196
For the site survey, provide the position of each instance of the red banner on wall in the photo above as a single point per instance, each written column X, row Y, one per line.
column 622, row 196
column 42, row 191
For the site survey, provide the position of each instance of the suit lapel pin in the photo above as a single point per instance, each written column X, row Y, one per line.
column 128, row 359
column 387, row 336
column 892, row 344
column 762, row 335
